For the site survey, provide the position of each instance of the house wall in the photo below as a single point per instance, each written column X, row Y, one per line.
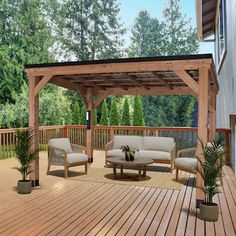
column 226, row 99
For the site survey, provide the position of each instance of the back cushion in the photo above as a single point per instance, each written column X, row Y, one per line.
column 164, row 144
column 62, row 143
column 131, row 140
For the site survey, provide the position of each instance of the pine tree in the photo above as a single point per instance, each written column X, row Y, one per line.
column 25, row 37
column 147, row 34
column 104, row 115
column 83, row 115
column 90, row 29
column 126, row 116
column 76, row 114
column 138, row 119
column 175, row 36
column 95, row 117
column 114, row 115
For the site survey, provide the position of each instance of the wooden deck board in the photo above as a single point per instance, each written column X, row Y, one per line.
column 65, row 206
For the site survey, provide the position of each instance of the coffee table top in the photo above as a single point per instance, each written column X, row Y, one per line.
column 137, row 161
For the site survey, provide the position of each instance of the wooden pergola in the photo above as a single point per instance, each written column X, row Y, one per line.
column 95, row 80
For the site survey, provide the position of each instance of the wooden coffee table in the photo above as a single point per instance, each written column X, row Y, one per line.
column 140, row 163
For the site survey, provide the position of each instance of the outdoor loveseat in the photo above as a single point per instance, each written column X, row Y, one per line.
column 160, row 149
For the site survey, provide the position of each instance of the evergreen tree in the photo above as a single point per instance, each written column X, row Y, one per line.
column 25, row 37
column 126, row 116
column 76, row 114
column 83, row 115
column 114, row 115
column 138, row 119
column 90, row 29
column 147, row 34
column 104, row 115
column 95, row 117
column 175, row 36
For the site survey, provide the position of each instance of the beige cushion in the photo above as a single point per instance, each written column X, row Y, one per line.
column 155, row 155
column 186, row 163
column 158, row 143
column 115, row 153
column 62, row 143
column 131, row 140
column 76, row 157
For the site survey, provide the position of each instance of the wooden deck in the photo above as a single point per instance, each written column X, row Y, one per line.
column 67, row 207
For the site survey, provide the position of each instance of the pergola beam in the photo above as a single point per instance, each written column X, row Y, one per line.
column 42, row 83
column 128, row 67
column 188, row 80
column 101, row 95
column 135, row 79
column 153, row 91
column 160, row 78
column 103, row 77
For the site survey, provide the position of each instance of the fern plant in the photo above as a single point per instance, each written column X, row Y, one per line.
column 24, row 152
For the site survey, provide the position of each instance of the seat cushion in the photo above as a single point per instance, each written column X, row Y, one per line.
column 155, row 155
column 186, row 163
column 76, row 157
column 115, row 153
column 131, row 140
column 164, row 144
column 62, row 143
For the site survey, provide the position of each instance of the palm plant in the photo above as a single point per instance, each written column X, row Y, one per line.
column 211, row 168
column 129, row 152
column 24, row 152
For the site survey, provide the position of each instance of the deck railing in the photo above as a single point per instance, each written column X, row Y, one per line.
column 185, row 137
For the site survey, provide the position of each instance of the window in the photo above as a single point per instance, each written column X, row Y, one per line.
column 221, row 34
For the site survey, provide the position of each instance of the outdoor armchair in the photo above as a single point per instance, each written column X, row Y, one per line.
column 62, row 152
column 186, row 161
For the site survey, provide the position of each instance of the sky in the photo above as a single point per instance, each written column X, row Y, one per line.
column 131, row 8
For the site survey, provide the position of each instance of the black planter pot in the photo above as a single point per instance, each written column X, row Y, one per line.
column 24, row 187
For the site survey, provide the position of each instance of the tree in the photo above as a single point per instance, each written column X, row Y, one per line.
column 95, row 117
column 76, row 114
column 104, row 115
column 138, row 119
column 89, row 29
column 147, row 34
column 25, row 37
column 126, row 116
column 179, row 36
column 175, row 36
column 114, row 115
column 54, row 109
column 83, row 115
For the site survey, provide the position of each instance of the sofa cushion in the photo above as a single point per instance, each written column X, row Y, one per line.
column 115, row 153
column 76, row 157
column 186, row 163
column 62, row 143
column 131, row 140
column 164, row 144
column 155, row 155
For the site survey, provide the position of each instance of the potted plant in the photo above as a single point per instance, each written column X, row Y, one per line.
column 211, row 171
column 25, row 155
column 129, row 153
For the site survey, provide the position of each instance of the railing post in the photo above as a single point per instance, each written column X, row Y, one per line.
column 65, row 132
column 111, row 133
column 227, row 147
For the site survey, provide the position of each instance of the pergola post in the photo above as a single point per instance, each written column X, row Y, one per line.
column 34, row 125
column 90, row 125
column 202, row 124
column 212, row 115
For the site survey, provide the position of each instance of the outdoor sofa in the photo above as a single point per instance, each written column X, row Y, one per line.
column 160, row 149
